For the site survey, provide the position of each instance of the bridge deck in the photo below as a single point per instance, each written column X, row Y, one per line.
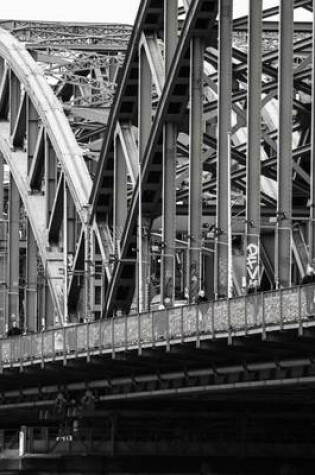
column 287, row 309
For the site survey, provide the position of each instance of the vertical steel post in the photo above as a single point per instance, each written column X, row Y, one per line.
column 195, row 164
column 253, row 145
column 31, row 131
column 145, row 118
column 3, row 251
column 120, row 194
column 31, row 282
column 87, row 271
column 284, row 165
column 49, row 316
column 14, row 251
column 169, row 164
column 65, row 251
column 71, row 226
column 224, row 129
column 312, row 184
column 50, row 177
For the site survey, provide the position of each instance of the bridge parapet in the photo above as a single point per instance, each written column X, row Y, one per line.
column 292, row 308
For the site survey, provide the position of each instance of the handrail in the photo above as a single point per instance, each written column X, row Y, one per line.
column 224, row 318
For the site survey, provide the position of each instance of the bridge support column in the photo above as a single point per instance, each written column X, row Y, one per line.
column 65, row 251
column 223, row 153
column 14, row 251
column 31, row 282
column 169, row 166
column 88, row 280
column 3, row 253
column 195, row 165
column 145, row 119
column 253, row 147
column 284, row 166
column 312, row 184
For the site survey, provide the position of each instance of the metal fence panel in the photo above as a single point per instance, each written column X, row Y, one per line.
column 37, row 345
column 26, row 347
column 94, row 335
column 290, row 305
column 132, row 330
column 272, row 307
column 106, row 333
column 146, row 327
column 159, row 325
column 254, row 310
column 48, row 343
column 175, row 322
column 6, row 351
column 16, row 348
column 237, row 313
column 82, row 338
column 119, row 331
column 220, row 309
column 190, row 320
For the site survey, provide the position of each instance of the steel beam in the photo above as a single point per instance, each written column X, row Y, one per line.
column 32, row 131
column 36, row 172
column 65, row 252
column 223, row 164
column 25, row 71
column 3, row 252
column 4, row 92
column 50, row 177
column 284, row 165
column 56, row 215
column 253, row 160
column 14, row 252
column 129, row 149
column 19, row 131
column 312, row 159
column 195, row 164
column 120, row 194
column 71, row 228
column 155, row 59
column 15, row 97
column 169, row 165
column 145, row 120
column 31, row 323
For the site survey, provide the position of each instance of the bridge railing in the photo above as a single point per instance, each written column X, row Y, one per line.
column 255, row 313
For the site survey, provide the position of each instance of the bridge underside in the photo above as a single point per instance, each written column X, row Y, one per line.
column 138, row 168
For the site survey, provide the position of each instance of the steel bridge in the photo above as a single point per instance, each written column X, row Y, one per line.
column 137, row 168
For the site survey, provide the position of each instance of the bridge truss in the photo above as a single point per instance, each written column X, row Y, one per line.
column 240, row 216
column 195, row 172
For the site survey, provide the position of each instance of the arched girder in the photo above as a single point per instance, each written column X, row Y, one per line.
column 45, row 112
column 51, row 156
column 51, row 113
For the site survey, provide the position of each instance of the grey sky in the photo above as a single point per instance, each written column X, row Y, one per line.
column 104, row 11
